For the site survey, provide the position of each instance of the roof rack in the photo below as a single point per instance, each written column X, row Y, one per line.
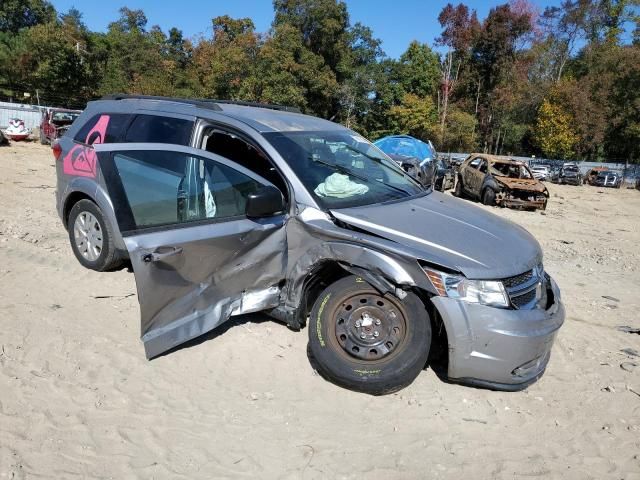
column 284, row 108
column 202, row 102
column 187, row 101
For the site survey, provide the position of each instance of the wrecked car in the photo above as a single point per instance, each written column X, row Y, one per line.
column 54, row 122
column 592, row 174
column 568, row 174
column 540, row 172
column 416, row 157
column 445, row 176
column 608, row 178
column 501, row 181
column 226, row 208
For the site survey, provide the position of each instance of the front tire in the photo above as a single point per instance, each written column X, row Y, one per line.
column 458, row 192
column 489, row 197
column 91, row 237
column 368, row 342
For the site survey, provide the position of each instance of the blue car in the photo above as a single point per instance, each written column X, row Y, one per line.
column 416, row 157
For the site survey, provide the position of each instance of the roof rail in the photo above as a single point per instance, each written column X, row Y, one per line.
column 195, row 102
column 202, row 102
column 270, row 106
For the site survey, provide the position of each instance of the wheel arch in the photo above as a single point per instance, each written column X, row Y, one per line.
column 330, row 261
column 84, row 189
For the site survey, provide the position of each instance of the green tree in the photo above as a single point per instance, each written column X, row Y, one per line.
column 419, row 70
column 323, row 25
column 222, row 65
column 290, row 74
column 415, row 116
column 18, row 14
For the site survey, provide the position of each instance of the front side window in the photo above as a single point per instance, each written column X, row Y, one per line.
column 165, row 188
column 475, row 163
column 341, row 169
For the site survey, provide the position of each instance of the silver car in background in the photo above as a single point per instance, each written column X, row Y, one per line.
column 224, row 209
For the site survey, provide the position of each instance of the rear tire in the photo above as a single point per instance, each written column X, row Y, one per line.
column 43, row 139
column 458, row 192
column 489, row 197
column 91, row 237
column 365, row 341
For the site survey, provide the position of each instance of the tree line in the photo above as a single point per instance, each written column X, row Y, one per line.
column 562, row 83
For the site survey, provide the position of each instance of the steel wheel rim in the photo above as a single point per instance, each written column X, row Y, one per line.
column 369, row 327
column 87, row 233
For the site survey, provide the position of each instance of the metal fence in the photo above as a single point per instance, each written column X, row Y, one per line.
column 31, row 114
column 629, row 171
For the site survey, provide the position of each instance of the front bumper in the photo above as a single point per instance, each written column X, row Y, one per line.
column 499, row 348
column 520, row 204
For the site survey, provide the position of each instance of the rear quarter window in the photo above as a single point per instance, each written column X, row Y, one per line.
column 115, row 124
column 158, row 129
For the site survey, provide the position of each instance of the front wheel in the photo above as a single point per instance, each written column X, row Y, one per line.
column 366, row 341
column 489, row 197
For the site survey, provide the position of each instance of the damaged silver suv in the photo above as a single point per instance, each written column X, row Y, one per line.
column 225, row 208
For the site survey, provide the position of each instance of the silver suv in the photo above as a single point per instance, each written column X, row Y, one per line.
column 224, row 209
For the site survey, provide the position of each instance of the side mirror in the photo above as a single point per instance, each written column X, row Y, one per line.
column 264, row 202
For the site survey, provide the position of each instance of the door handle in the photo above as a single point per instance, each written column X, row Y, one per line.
column 158, row 256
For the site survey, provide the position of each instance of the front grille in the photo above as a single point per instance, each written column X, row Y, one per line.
column 514, row 282
column 522, row 288
column 524, row 299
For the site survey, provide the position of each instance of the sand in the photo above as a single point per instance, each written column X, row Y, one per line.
column 78, row 399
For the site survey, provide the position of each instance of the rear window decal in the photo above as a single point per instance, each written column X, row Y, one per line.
column 81, row 159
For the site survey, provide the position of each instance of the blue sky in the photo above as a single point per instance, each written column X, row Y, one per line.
column 395, row 23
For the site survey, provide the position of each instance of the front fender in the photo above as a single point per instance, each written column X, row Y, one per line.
column 351, row 255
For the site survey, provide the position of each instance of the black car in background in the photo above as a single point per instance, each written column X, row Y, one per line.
column 445, row 176
column 569, row 174
column 608, row 178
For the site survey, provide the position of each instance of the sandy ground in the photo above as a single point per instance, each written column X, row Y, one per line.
column 78, row 398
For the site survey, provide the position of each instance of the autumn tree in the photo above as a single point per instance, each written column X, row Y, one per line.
column 221, row 65
column 553, row 131
column 460, row 26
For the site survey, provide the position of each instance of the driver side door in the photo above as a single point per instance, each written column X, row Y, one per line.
column 196, row 256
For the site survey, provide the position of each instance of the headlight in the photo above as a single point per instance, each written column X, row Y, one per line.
column 485, row 292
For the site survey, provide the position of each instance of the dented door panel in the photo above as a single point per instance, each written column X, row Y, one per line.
column 192, row 273
column 185, row 295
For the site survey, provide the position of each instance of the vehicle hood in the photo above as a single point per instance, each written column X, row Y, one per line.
column 452, row 233
column 527, row 184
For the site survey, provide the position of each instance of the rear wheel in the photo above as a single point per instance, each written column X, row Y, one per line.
column 368, row 342
column 489, row 197
column 91, row 237
column 43, row 138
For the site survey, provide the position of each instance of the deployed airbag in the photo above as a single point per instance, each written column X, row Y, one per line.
column 338, row 185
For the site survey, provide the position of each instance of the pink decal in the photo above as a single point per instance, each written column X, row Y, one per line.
column 81, row 159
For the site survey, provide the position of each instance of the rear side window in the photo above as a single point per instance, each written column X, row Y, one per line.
column 103, row 128
column 156, row 129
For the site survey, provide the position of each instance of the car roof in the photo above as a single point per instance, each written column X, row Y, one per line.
column 496, row 158
column 404, row 137
column 263, row 118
